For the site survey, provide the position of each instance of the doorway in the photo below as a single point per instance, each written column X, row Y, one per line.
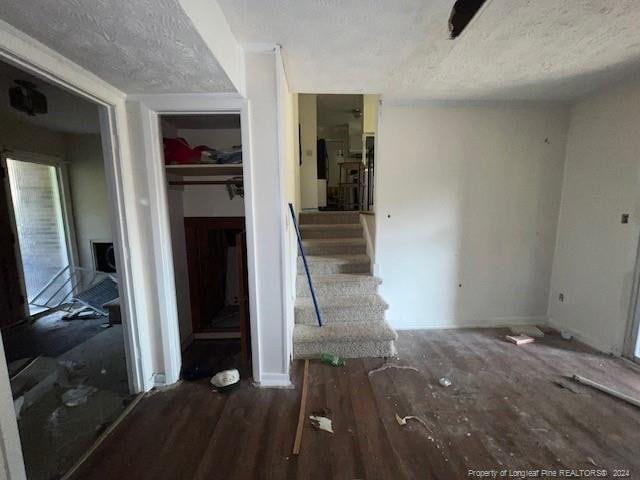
column 40, row 222
column 337, row 135
column 205, row 195
column 64, row 341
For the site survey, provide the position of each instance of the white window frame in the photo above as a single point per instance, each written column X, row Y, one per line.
column 66, row 205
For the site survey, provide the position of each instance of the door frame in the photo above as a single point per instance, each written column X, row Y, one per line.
column 66, row 206
column 632, row 332
column 152, row 107
column 31, row 56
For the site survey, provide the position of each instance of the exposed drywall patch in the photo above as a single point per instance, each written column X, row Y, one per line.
column 139, row 46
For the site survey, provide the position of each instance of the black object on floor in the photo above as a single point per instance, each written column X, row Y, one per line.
column 205, row 358
column 49, row 336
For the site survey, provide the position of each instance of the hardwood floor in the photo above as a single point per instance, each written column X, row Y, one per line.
column 504, row 410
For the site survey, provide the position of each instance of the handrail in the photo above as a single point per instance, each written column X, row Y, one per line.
column 306, row 266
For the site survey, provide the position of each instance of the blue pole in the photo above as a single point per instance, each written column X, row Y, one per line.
column 306, row 266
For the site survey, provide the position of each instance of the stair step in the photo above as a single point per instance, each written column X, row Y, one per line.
column 336, row 285
column 330, row 264
column 351, row 309
column 331, row 231
column 349, row 340
column 320, row 246
column 329, row 217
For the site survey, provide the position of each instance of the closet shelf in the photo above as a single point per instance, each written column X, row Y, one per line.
column 204, row 169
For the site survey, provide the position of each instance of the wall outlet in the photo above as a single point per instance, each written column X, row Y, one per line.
column 561, row 297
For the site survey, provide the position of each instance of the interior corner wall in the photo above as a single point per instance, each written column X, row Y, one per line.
column 467, row 204
column 596, row 253
column 268, row 211
column 289, row 161
column 175, row 204
column 89, row 194
column 138, row 136
column 308, row 118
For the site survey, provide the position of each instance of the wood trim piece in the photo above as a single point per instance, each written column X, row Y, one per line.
column 303, row 404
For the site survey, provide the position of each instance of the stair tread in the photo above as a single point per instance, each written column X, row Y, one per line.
column 351, row 301
column 337, row 258
column 379, row 331
column 333, row 241
column 340, row 277
column 330, row 226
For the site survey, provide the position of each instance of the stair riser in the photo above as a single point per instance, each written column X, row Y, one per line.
column 332, row 316
column 346, row 350
column 332, row 233
column 332, row 268
column 328, row 218
column 336, row 289
column 335, row 249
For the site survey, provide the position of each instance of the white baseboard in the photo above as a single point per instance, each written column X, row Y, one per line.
column 159, row 380
column 271, row 380
column 587, row 340
column 498, row 322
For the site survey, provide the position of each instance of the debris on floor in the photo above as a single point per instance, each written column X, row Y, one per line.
column 77, row 396
column 403, row 420
column 520, row 339
column 333, row 360
column 445, row 382
column 82, row 313
column 321, row 423
column 609, row 391
column 226, row 380
column 565, row 385
column 386, row 366
column 528, row 330
column 566, row 335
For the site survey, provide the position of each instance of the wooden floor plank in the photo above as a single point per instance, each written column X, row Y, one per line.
column 503, row 410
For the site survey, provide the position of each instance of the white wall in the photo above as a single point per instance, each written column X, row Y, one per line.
column 307, row 116
column 370, row 113
column 595, row 254
column 180, row 266
column 18, row 134
column 211, row 201
column 467, row 201
column 268, row 213
column 89, row 194
column 290, row 167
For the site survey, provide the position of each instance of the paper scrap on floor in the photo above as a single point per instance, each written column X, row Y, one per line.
column 321, row 423
column 520, row 339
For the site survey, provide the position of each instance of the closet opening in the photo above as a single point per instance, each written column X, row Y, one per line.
column 205, row 194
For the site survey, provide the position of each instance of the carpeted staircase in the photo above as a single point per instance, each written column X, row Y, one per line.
column 352, row 311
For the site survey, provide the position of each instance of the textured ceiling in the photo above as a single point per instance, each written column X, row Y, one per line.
column 516, row 49
column 139, row 46
column 66, row 112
